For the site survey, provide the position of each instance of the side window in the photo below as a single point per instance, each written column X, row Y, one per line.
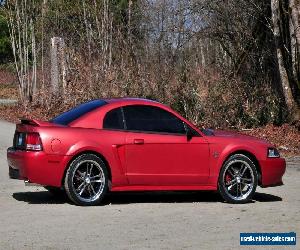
column 113, row 119
column 152, row 119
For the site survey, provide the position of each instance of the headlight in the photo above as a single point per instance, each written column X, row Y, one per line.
column 273, row 153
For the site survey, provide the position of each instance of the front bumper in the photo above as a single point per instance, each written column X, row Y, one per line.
column 272, row 171
column 36, row 167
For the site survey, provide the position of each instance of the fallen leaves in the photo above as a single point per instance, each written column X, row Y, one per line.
column 285, row 137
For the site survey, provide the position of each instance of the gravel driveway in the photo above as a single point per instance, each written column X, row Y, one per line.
column 30, row 218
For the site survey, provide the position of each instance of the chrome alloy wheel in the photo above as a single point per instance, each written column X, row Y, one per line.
column 238, row 180
column 88, row 180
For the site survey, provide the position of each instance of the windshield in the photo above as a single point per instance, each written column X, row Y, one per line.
column 73, row 114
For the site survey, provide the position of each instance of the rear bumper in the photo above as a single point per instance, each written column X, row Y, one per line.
column 272, row 171
column 36, row 167
column 14, row 173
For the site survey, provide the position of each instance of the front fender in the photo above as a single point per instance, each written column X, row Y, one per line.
column 219, row 157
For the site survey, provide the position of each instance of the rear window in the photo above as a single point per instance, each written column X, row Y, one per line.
column 113, row 119
column 73, row 114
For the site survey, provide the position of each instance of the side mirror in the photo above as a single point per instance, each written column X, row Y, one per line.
column 189, row 134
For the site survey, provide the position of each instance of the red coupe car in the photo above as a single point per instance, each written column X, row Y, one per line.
column 138, row 145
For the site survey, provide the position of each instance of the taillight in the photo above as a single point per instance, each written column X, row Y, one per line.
column 33, row 142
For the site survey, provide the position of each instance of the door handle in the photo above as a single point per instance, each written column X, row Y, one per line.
column 138, row 141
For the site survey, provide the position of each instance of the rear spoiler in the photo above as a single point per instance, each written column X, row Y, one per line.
column 34, row 122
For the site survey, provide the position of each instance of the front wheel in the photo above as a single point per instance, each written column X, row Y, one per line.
column 238, row 179
column 86, row 181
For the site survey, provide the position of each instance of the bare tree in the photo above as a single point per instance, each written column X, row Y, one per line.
column 23, row 40
column 209, row 57
column 294, row 24
column 288, row 72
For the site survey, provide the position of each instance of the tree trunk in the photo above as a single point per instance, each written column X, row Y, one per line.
column 283, row 71
column 54, row 65
column 294, row 24
column 58, row 65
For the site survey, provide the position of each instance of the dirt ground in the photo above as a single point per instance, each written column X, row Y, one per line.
column 31, row 218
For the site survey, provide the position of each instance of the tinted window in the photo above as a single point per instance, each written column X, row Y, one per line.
column 113, row 119
column 147, row 118
column 75, row 113
column 192, row 131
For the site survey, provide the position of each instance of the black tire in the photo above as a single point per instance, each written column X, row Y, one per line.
column 56, row 191
column 238, row 173
column 86, row 181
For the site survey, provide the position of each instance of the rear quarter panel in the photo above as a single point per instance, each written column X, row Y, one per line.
column 68, row 141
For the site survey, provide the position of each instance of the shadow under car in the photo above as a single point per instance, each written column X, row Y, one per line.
column 45, row 197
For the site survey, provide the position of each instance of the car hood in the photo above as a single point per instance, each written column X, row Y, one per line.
column 233, row 135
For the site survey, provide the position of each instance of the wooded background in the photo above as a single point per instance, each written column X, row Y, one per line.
column 229, row 63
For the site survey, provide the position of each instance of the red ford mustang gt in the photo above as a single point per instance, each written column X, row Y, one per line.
column 136, row 144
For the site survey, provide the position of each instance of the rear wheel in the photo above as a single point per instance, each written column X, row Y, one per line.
column 238, row 179
column 86, row 181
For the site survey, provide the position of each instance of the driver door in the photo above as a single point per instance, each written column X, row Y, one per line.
column 157, row 151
